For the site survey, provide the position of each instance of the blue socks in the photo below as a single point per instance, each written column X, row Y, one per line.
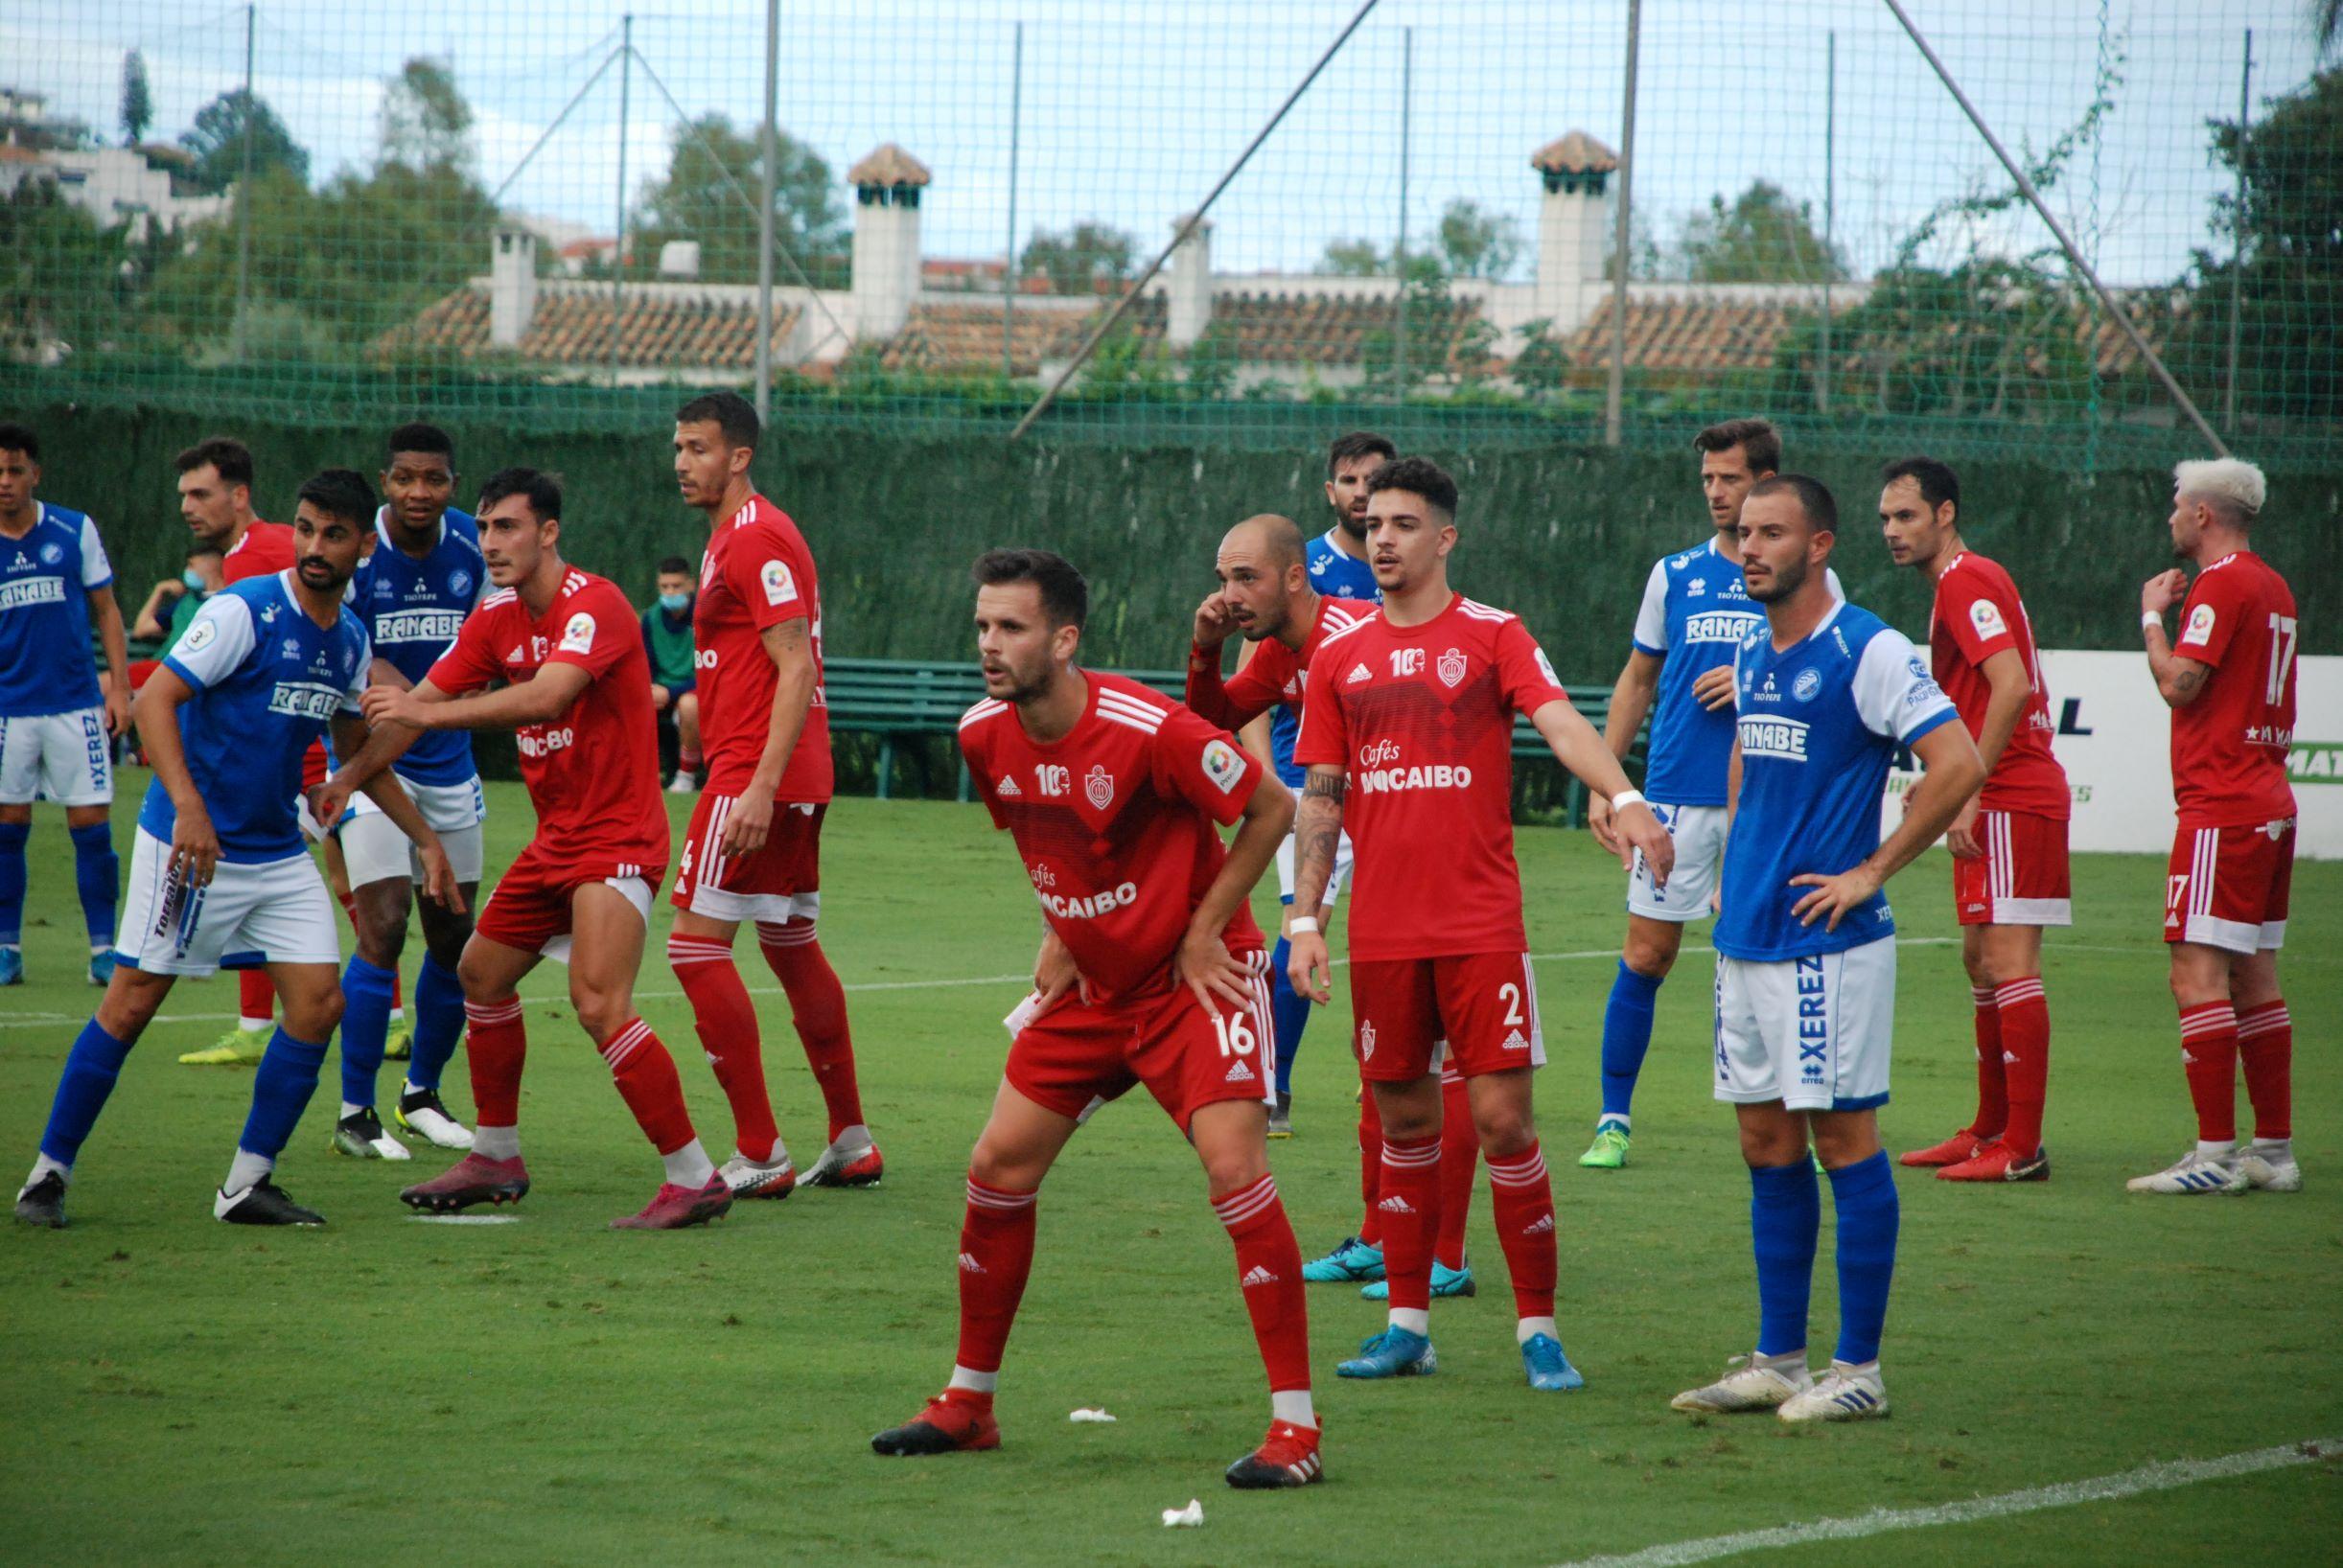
column 365, row 1029
column 81, row 1090
column 1627, row 1034
column 1785, row 1221
column 1869, row 1215
column 1288, row 1014
column 439, row 1023
column 281, row 1089
column 13, row 835
column 96, row 874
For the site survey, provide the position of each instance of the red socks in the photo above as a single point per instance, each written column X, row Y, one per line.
column 1269, row 1274
column 647, row 1082
column 818, row 1008
column 1370, row 1166
column 726, row 1021
column 1459, row 1159
column 2025, row 1041
column 2209, row 1051
column 496, row 1044
column 256, row 995
column 2265, row 1039
column 996, row 1253
column 1992, row 1088
column 1410, row 1204
column 1522, row 1201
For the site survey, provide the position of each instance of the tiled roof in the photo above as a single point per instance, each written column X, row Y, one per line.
column 656, row 326
column 888, row 164
column 950, row 337
column 1577, row 153
column 1270, row 327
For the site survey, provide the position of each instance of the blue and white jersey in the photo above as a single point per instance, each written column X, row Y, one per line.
column 1696, row 611
column 46, row 664
column 266, row 678
column 1819, row 724
column 1338, row 574
column 412, row 610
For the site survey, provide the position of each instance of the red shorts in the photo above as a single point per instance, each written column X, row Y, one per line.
column 2227, row 886
column 530, row 906
column 1484, row 1005
column 781, row 882
column 1078, row 1056
column 2021, row 879
column 312, row 767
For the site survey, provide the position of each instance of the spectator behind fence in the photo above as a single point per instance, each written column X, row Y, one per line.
column 666, row 637
column 173, row 601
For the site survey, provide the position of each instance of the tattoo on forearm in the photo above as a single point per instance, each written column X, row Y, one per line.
column 1326, row 787
column 2187, row 678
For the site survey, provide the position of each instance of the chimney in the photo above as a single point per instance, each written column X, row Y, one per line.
column 512, row 287
column 1189, row 290
column 678, row 260
column 886, row 186
column 1576, row 172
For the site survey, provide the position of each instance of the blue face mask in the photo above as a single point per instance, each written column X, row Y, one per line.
column 674, row 604
column 193, row 578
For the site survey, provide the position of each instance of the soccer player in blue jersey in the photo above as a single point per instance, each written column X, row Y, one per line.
column 219, row 866
column 413, row 591
column 58, row 719
column 1805, row 989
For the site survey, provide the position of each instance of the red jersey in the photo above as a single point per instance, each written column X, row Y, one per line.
column 265, row 549
column 1275, row 673
column 756, row 574
column 2229, row 746
column 1420, row 720
column 1116, row 823
column 592, row 772
column 1977, row 614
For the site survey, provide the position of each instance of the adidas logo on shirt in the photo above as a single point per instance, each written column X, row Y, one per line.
column 1516, row 1041
column 1257, row 1275
column 1358, row 673
column 1007, row 787
column 1396, row 1204
column 1543, row 1225
column 969, row 1266
column 1239, row 1072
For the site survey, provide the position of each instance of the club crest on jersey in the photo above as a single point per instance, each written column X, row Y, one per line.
column 52, row 553
column 459, row 582
column 1099, row 785
column 781, row 587
column 577, row 637
column 1806, row 684
column 1221, row 764
column 1451, row 667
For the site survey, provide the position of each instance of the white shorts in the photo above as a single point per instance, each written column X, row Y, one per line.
column 633, row 889
column 65, row 757
column 1814, row 1033
column 1699, row 831
column 375, row 850
column 276, row 911
column 1285, row 864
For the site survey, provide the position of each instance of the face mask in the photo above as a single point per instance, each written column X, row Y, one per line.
column 674, row 603
column 193, row 578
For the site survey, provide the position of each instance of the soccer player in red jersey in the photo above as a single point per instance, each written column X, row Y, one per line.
column 579, row 696
column 1267, row 596
column 1411, row 718
column 1151, row 972
column 2228, row 681
column 2008, row 843
column 753, row 851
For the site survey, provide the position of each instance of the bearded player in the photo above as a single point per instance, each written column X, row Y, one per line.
column 1413, row 710
column 753, row 851
column 2009, row 841
column 1151, row 972
column 578, row 695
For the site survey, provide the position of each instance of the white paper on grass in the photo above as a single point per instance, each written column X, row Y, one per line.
column 1191, row 1515
column 1089, row 1413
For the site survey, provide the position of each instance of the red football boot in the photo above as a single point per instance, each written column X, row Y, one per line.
column 673, row 1206
column 1287, row 1457
column 1963, row 1145
column 473, row 1179
column 957, row 1421
column 1998, row 1162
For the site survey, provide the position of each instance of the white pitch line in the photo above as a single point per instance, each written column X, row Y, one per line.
column 2159, row 1477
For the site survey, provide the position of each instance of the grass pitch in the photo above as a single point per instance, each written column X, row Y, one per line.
column 549, row 1390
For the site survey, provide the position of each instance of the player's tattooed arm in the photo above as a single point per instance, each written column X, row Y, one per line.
column 1317, row 834
column 2178, row 680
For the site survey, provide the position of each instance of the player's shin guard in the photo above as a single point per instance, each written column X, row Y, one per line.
column 498, row 1043
column 1288, row 1015
column 1863, row 1196
column 2024, row 1015
column 1269, row 1274
column 996, row 1254
column 1410, row 1206
column 2209, row 1051
column 2266, row 1040
column 647, row 1081
column 818, row 1008
column 13, row 837
column 280, row 1089
column 1521, row 1202
column 439, row 1022
column 365, row 1024
column 1459, row 1161
column 97, row 872
column 1370, row 1168
column 256, row 998
column 1627, row 1035
column 1993, row 1080
column 1785, row 1226
column 726, row 1021
column 82, row 1091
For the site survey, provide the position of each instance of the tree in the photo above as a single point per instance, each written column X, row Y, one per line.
column 1082, row 260
column 137, row 101
column 1764, row 237
column 1476, row 244
column 1353, row 259
column 697, row 199
column 2326, row 23
column 217, row 139
column 426, row 121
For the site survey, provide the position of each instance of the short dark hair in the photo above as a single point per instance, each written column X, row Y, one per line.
column 15, row 437
column 1937, row 481
column 1418, row 476
column 1759, row 441
column 417, row 436
column 729, row 411
column 543, row 491
column 341, row 492
column 675, row 565
column 1814, row 497
column 231, row 457
column 1065, row 597
column 201, row 548
column 1349, row 449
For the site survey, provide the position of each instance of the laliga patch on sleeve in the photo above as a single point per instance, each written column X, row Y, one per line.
column 1987, row 617
column 577, row 637
column 780, row 587
column 1546, row 666
column 2200, row 625
column 1223, row 765
column 199, row 637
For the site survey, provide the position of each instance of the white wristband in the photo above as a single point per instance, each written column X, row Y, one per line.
column 1626, row 799
column 1302, row 923
column 2150, row 617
